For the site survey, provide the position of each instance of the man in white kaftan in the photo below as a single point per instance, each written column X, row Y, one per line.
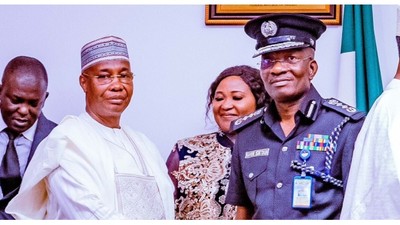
column 77, row 168
column 90, row 166
column 374, row 178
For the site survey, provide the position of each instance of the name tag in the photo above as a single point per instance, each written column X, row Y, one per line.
column 257, row 153
column 302, row 192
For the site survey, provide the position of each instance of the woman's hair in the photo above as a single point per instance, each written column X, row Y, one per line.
column 250, row 75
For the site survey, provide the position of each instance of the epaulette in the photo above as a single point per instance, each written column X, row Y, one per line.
column 243, row 121
column 343, row 108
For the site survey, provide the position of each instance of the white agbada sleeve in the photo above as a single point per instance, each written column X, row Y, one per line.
column 373, row 183
column 75, row 187
column 85, row 185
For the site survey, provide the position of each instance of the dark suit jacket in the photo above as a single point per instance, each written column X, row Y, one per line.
column 44, row 127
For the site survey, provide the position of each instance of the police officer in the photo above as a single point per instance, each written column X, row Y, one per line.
column 291, row 159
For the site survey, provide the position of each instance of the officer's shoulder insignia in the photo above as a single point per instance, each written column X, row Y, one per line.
column 243, row 121
column 343, row 108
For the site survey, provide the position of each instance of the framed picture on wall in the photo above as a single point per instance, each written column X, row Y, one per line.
column 240, row 14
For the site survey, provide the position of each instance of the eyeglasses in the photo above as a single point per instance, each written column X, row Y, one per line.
column 289, row 60
column 125, row 78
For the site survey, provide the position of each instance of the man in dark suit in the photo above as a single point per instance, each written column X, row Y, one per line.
column 23, row 92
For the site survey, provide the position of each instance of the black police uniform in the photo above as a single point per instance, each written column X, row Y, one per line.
column 264, row 160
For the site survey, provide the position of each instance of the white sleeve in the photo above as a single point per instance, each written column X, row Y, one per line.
column 75, row 200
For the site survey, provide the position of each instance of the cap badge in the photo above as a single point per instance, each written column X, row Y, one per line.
column 269, row 28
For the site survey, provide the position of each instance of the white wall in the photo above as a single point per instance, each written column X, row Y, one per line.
column 175, row 57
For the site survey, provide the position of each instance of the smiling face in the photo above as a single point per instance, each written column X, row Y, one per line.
column 106, row 102
column 233, row 99
column 286, row 82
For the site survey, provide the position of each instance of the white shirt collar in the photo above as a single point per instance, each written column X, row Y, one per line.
column 107, row 132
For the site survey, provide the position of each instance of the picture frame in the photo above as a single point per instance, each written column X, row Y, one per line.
column 240, row 14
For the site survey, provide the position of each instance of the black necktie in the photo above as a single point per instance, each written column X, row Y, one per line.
column 10, row 177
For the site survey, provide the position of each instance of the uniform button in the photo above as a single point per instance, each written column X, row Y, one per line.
column 279, row 185
column 251, row 175
column 284, row 149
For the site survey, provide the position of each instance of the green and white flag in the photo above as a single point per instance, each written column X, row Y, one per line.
column 360, row 80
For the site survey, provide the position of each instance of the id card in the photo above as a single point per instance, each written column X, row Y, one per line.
column 302, row 192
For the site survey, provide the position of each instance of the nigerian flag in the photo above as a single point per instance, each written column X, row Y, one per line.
column 359, row 74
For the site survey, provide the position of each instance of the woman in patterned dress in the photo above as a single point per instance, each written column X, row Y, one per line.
column 199, row 166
